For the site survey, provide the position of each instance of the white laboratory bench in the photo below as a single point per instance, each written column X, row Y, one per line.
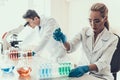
column 84, row 77
column 34, row 63
column 33, row 77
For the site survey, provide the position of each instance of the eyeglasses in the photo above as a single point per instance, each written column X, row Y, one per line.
column 95, row 21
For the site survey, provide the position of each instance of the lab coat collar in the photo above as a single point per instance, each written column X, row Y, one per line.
column 37, row 27
column 104, row 38
column 89, row 32
column 106, row 34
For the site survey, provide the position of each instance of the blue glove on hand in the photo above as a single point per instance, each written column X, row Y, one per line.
column 79, row 71
column 59, row 36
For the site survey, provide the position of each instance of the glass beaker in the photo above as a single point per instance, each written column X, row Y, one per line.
column 23, row 68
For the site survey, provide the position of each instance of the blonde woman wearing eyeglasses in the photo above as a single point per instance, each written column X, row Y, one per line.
column 98, row 43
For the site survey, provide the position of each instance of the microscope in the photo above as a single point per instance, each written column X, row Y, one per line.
column 5, row 45
column 14, row 42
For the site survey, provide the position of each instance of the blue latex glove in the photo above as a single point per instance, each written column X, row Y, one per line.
column 79, row 71
column 59, row 36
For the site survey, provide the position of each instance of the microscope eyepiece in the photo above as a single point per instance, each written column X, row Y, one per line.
column 26, row 24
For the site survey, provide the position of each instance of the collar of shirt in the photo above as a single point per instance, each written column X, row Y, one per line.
column 99, row 36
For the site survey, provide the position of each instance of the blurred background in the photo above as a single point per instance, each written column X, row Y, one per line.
column 71, row 15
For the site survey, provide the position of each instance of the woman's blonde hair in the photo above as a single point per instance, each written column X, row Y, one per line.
column 103, row 10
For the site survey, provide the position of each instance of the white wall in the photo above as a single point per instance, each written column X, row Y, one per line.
column 13, row 10
column 11, row 14
column 79, row 12
column 42, row 7
column 60, row 11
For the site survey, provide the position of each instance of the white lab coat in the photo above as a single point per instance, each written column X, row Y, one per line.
column 100, row 54
column 35, row 36
column 40, row 40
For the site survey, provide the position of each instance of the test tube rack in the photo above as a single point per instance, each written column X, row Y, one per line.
column 48, row 70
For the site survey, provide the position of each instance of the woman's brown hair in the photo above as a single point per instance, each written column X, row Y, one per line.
column 103, row 10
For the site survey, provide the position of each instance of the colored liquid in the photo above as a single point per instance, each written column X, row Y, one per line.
column 7, row 69
column 24, row 72
column 53, row 70
column 64, row 69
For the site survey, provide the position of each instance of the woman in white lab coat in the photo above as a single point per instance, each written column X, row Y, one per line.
column 98, row 43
